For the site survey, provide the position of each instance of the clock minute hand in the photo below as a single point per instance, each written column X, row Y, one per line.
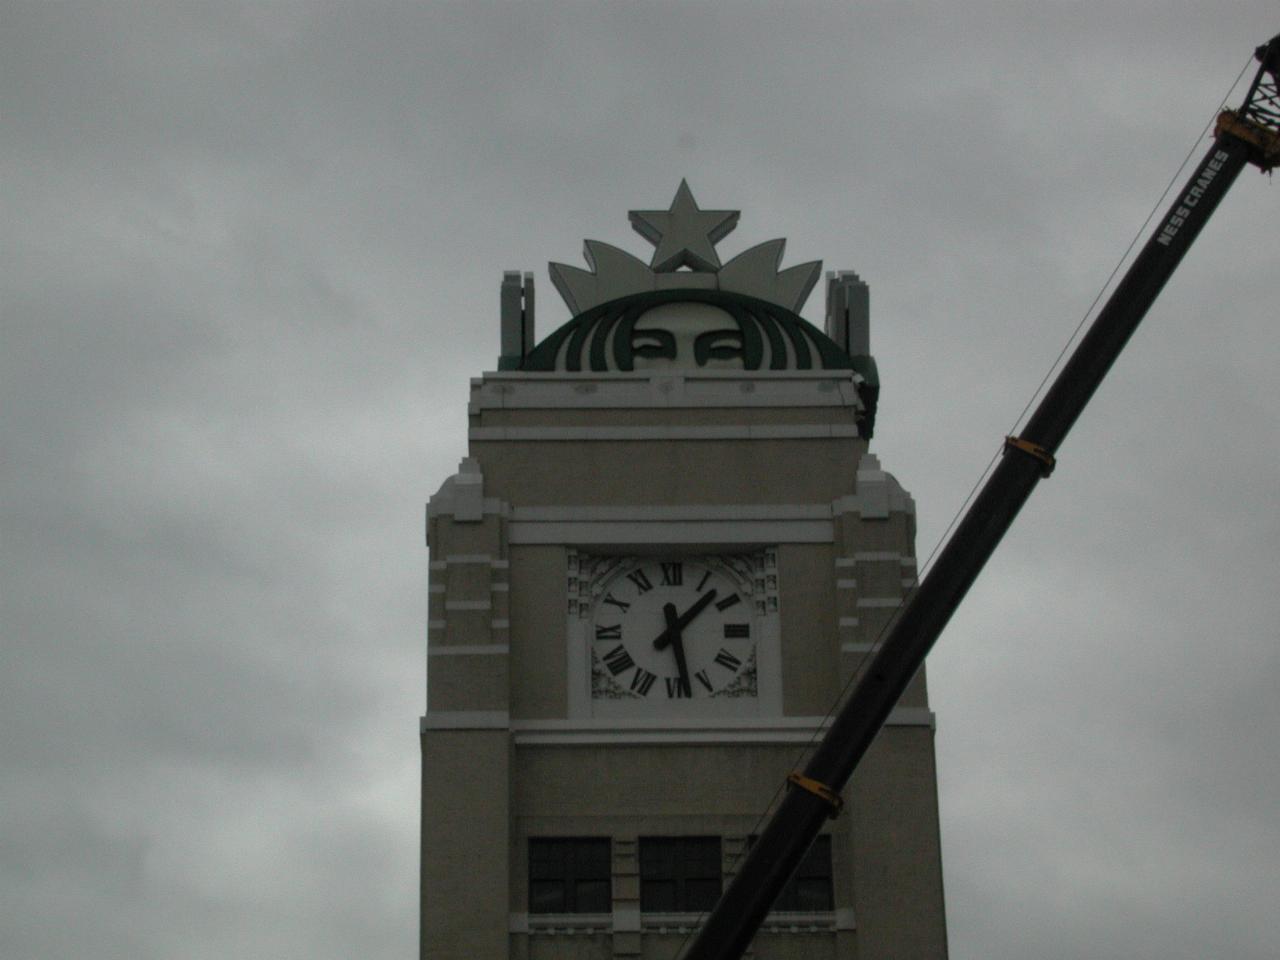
column 683, row 621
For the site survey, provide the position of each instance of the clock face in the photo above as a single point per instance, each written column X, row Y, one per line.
column 673, row 630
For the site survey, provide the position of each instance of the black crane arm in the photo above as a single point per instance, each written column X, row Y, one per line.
column 1257, row 123
column 1250, row 134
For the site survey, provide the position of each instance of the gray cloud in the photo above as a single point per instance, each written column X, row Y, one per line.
column 252, row 258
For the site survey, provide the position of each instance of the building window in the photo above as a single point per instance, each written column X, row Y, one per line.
column 679, row 874
column 569, row 875
column 809, row 889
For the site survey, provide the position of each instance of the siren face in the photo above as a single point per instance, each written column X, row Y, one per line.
column 686, row 335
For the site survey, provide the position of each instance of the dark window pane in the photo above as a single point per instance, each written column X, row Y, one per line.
column 812, row 893
column 702, row 855
column 592, row 857
column 546, row 896
column 546, row 870
column 701, row 894
column 657, row 855
column 658, row 896
column 592, row 896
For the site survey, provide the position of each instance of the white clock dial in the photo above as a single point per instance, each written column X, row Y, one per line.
column 677, row 629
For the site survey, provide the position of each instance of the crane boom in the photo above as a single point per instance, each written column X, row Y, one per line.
column 1250, row 134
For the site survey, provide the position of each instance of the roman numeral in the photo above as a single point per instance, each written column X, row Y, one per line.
column 728, row 601
column 640, row 580
column 642, row 680
column 615, row 632
column 705, row 577
column 732, row 631
column 618, row 660
column 704, row 679
column 728, row 660
column 677, row 688
column 672, row 574
column 609, row 598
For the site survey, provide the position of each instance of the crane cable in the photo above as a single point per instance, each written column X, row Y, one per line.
column 874, row 647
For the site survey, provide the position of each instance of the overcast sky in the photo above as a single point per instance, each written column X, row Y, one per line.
column 251, row 256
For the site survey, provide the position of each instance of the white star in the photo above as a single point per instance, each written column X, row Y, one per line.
column 684, row 235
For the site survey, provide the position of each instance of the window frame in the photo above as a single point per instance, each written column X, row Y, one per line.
column 815, row 865
column 580, row 861
column 690, row 865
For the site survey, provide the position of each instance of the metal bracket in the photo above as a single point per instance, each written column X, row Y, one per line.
column 820, row 790
column 1034, row 450
column 1263, row 143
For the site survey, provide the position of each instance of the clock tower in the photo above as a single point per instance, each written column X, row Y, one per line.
column 667, row 551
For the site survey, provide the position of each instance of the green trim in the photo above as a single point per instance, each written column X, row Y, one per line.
column 767, row 336
column 759, row 322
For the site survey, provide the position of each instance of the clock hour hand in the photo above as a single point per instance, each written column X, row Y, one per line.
column 677, row 645
column 683, row 621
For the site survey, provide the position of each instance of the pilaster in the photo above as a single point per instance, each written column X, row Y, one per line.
column 466, row 740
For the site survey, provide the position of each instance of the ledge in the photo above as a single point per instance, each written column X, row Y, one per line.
column 664, row 433
column 531, row 390
column 561, row 924
column 658, row 731
column 678, row 732
column 588, row 924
